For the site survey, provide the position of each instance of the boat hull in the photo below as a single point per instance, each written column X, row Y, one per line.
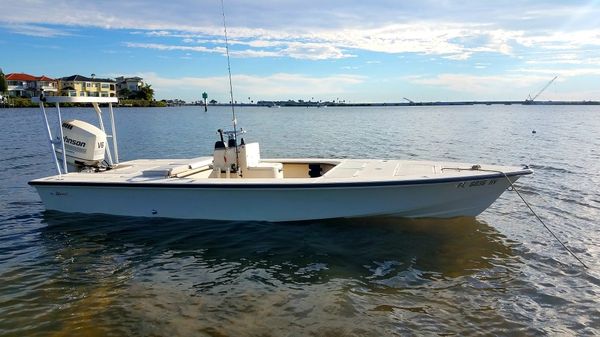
column 272, row 202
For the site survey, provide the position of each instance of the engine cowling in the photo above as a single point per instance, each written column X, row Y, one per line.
column 85, row 144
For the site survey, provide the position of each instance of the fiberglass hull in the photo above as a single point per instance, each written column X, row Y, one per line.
column 439, row 198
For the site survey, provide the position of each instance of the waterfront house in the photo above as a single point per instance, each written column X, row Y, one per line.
column 77, row 85
column 133, row 84
column 25, row 85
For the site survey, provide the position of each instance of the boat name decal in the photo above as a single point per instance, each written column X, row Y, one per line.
column 67, row 126
column 485, row 182
column 73, row 141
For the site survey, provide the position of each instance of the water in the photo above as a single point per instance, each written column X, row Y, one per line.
column 497, row 274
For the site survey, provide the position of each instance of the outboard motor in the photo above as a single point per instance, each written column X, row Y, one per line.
column 85, row 144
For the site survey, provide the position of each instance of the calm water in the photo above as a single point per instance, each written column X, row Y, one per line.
column 499, row 274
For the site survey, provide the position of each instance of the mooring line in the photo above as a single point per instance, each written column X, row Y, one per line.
column 478, row 168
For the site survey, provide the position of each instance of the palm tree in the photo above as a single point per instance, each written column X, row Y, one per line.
column 124, row 93
column 146, row 92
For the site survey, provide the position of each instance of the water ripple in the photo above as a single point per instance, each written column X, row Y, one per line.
column 499, row 274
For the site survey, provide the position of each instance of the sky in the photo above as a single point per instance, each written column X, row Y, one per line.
column 356, row 51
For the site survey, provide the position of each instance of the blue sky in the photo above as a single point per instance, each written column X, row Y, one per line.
column 378, row 51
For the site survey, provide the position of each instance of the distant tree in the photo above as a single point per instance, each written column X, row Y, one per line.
column 124, row 93
column 3, row 84
column 212, row 101
column 146, row 93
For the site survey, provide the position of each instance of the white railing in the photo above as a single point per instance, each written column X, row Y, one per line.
column 82, row 99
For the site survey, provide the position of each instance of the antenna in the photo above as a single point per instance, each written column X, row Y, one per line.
column 234, row 120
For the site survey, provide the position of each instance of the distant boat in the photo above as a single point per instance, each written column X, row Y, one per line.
column 274, row 106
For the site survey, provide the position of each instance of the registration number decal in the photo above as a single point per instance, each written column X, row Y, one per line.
column 474, row 183
column 59, row 194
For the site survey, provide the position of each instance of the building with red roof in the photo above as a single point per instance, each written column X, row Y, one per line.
column 25, row 85
column 20, row 77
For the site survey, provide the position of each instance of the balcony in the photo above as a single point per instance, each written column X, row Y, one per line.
column 49, row 88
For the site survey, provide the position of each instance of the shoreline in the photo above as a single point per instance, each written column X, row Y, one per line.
column 277, row 104
column 380, row 104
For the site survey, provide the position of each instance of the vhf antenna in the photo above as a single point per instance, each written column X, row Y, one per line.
column 237, row 159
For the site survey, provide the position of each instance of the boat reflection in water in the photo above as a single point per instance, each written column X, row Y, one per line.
column 135, row 275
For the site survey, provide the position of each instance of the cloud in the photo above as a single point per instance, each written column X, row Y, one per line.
column 453, row 41
column 459, row 57
column 574, row 95
column 477, row 85
column 555, row 40
column 313, row 51
column 309, row 51
column 275, row 86
column 517, row 84
column 304, row 30
column 36, row 30
column 574, row 72
column 160, row 46
column 422, row 37
column 568, row 58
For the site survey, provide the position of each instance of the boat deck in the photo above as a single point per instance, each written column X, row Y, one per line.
column 199, row 171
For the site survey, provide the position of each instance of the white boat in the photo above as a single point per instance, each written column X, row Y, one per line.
column 235, row 183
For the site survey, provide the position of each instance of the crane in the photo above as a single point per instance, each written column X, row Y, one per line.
column 531, row 99
column 409, row 101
